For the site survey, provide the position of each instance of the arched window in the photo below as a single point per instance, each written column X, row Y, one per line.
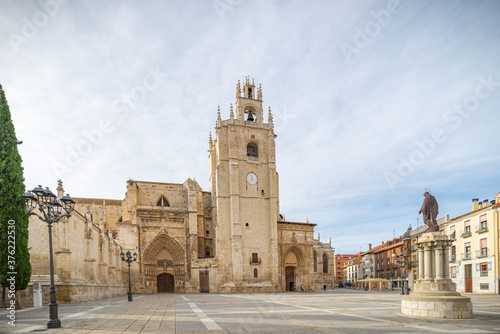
column 252, row 150
column 325, row 263
column 162, row 202
column 255, row 273
column 315, row 261
column 251, row 115
column 120, row 220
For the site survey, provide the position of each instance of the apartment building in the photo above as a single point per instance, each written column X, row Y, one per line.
column 474, row 254
column 340, row 266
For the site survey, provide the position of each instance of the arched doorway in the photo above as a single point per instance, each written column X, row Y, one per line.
column 163, row 256
column 165, row 283
column 290, row 271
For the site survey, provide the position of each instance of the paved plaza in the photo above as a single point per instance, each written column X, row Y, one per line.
column 335, row 311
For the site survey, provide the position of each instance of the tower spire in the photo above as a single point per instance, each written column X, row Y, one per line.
column 219, row 119
column 238, row 89
column 270, row 119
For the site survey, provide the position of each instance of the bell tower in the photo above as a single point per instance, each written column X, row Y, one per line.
column 245, row 193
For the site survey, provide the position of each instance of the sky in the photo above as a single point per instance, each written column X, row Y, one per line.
column 373, row 101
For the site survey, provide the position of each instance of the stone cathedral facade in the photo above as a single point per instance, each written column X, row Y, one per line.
column 229, row 239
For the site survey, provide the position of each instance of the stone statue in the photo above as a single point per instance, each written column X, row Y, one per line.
column 430, row 211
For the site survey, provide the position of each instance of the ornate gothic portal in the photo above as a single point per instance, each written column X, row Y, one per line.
column 164, row 265
column 293, row 268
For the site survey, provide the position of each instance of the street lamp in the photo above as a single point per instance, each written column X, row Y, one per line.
column 129, row 260
column 52, row 211
column 401, row 261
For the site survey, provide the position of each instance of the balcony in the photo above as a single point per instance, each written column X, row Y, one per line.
column 453, row 236
column 255, row 261
column 467, row 232
column 466, row 256
column 414, row 264
column 413, row 249
column 483, row 227
column 483, row 252
column 484, row 273
column 453, row 257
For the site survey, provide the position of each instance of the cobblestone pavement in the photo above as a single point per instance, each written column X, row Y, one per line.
column 335, row 311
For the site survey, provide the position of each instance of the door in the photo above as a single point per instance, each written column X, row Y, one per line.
column 165, row 283
column 290, row 278
column 468, row 278
column 204, row 285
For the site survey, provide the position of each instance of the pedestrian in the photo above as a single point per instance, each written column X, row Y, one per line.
column 324, row 287
column 302, row 288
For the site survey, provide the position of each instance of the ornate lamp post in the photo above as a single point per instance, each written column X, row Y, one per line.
column 129, row 260
column 51, row 212
column 401, row 261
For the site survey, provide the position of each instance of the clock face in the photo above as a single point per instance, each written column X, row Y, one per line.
column 252, row 178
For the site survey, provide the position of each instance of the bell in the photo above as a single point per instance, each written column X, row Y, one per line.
column 250, row 117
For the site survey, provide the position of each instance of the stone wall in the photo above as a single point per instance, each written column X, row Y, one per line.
column 87, row 263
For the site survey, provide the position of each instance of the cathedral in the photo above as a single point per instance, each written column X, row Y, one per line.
column 231, row 238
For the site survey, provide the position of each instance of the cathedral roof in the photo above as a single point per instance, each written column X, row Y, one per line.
column 97, row 201
column 296, row 223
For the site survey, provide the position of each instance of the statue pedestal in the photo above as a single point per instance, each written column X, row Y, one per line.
column 434, row 294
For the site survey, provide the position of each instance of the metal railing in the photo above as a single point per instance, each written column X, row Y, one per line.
column 466, row 256
column 483, row 252
column 467, row 232
column 483, row 227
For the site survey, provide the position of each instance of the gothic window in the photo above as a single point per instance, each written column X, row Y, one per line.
column 162, row 202
column 325, row 263
column 249, row 93
column 255, row 273
column 252, row 150
column 315, row 262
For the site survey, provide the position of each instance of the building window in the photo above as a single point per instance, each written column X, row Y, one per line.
column 466, row 229
column 484, row 268
column 452, row 232
column 325, row 263
column 252, row 150
column 483, row 247
column 453, row 255
column 483, row 224
column 255, row 273
column 468, row 251
column 255, row 257
column 484, row 286
column 453, row 272
column 162, row 202
column 315, row 262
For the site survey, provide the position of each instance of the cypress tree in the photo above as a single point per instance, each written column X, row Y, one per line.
column 12, row 208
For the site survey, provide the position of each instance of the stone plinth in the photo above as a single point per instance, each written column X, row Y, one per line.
column 434, row 294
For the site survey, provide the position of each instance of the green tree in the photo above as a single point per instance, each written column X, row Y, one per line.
column 12, row 208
